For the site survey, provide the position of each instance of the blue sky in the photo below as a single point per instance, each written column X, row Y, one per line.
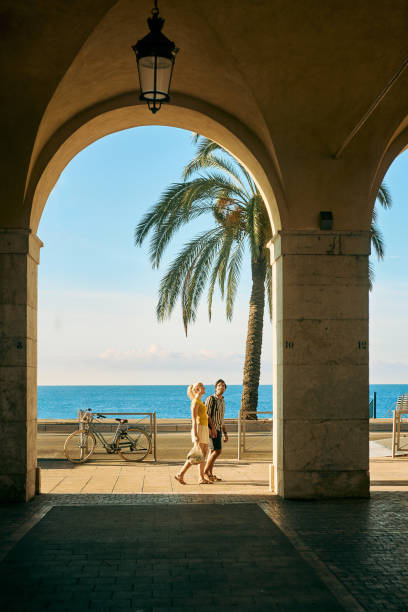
column 97, row 291
column 389, row 298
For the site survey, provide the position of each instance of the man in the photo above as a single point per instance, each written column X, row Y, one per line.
column 215, row 409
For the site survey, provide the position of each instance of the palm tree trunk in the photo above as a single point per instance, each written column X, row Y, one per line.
column 252, row 366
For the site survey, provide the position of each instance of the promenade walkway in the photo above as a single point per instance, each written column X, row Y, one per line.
column 108, row 474
column 116, row 476
column 244, row 478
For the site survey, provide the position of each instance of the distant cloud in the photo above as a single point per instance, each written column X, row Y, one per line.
column 156, row 355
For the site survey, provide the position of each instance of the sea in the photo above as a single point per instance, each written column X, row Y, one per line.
column 168, row 401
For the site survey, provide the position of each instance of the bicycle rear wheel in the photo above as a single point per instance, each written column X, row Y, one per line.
column 134, row 444
column 79, row 446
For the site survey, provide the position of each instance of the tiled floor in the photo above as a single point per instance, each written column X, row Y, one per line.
column 357, row 548
column 149, row 557
column 320, row 555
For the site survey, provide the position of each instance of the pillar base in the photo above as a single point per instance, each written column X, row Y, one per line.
column 37, row 481
column 17, row 487
column 324, row 484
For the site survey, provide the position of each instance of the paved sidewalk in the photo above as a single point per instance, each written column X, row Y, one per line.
column 388, row 474
column 148, row 552
column 116, row 476
column 244, row 478
column 378, row 450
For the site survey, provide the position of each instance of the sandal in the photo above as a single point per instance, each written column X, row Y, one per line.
column 204, row 481
column 216, row 479
column 179, row 479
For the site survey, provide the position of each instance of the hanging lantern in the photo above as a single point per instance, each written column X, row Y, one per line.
column 155, row 55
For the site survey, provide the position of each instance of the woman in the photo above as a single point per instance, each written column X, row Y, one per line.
column 199, row 431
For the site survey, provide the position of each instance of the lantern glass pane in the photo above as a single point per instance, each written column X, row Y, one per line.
column 147, row 77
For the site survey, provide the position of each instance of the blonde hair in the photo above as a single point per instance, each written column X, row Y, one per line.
column 192, row 388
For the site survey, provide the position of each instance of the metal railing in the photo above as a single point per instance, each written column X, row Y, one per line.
column 372, row 407
column 143, row 415
column 243, row 422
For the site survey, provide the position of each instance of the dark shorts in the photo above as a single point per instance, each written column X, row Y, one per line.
column 217, row 441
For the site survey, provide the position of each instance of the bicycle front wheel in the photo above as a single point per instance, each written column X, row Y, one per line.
column 79, row 446
column 134, row 444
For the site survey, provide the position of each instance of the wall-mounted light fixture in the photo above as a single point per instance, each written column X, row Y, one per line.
column 326, row 220
column 155, row 55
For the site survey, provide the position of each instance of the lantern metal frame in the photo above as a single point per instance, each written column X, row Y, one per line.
column 157, row 46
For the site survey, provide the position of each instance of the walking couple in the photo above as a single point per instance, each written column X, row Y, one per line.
column 207, row 429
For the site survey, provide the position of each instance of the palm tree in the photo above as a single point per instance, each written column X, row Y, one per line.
column 216, row 184
column 377, row 240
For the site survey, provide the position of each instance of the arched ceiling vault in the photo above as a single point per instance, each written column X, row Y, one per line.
column 287, row 80
column 126, row 111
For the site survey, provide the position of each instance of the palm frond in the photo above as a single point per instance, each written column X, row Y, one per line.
column 194, row 284
column 211, row 287
column 377, row 240
column 221, row 182
column 250, row 180
column 234, row 271
column 371, row 275
column 223, row 165
column 220, row 267
column 205, row 156
column 257, row 225
column 172, row 282
column 205, row 146
column 384, row 196
column 170, row 199
column 224, row 254
column 179, row 204
column 165, row 231
column 188, row 313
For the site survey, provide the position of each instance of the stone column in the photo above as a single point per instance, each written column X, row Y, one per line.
column 19, row 257
column 321, row 356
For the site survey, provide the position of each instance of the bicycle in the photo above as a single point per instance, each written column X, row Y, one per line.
column 130, row 443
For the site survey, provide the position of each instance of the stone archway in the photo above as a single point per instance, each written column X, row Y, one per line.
column 24, row 246
column 282, row 86
column 125, row 112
